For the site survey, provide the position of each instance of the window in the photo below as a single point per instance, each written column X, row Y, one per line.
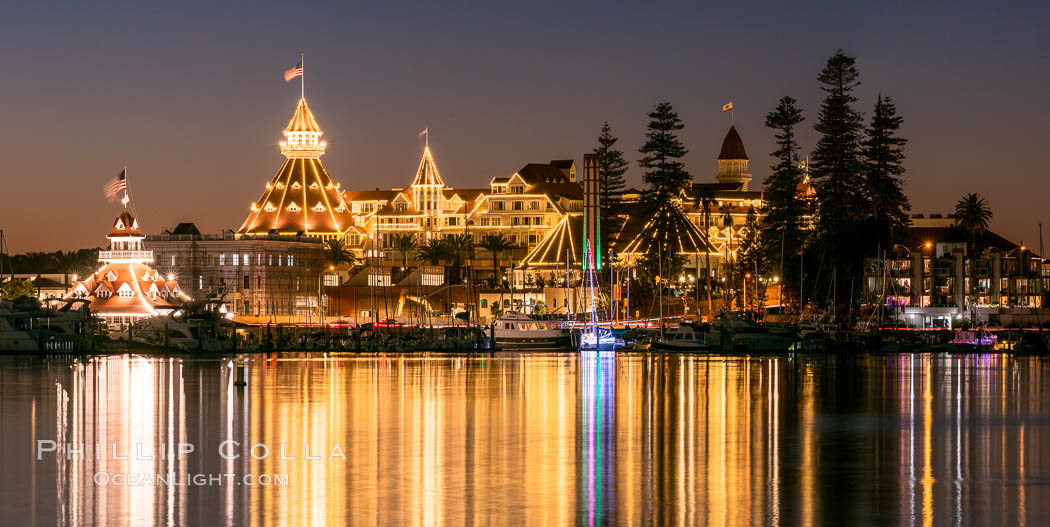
column 270, row 260
column 247, row 282
column 222, row 259
column 484, row 303
column 515, row 221
column 517, row 205
column 290, row 261
column 246, row 259
column 269, row 207
column 295, row 186
column 236, row 259
column 517, row 189
column 484, row 221
column 173, row 259
column 534, row 205
column 318, row 207
column 499, row 205
column 293, row 207
column 496, row 222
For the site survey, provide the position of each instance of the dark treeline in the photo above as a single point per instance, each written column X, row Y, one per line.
column 858, row 207
column 81, row 262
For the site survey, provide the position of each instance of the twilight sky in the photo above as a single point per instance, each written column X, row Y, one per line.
column 190, row 97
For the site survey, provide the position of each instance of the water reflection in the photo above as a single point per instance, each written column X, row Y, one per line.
column 530, row 439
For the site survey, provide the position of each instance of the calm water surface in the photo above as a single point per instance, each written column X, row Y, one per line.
column 527, row 439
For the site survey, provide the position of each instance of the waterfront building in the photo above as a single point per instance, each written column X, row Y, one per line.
column 48, row 286
column 271, row 277
column 932, row 280
column 523, row 207
column 126, row 287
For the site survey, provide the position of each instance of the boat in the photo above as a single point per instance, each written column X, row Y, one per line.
column 27, row 327
column 730, row 332
column 965, row 341
column 599, row 339
column 685, row 338
column 519, row 330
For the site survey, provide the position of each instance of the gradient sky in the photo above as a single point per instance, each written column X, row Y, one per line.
column 190, row 97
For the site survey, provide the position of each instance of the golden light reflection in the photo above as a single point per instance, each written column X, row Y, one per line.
column 535, row 439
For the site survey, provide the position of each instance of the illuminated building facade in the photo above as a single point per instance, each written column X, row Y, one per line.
column 263, row 277
column 126, row 288
column 523, row 207
column 933, row 281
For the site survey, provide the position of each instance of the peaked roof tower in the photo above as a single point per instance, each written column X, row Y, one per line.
column 732, row 161
column 301, row 198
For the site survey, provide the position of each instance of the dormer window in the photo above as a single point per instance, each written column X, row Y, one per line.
column 280, row 185
column 340, row 208
column 293, row 207
column 314, row 186
column 269, row 207
column 318, row 207
column 295, row 186
column 111, row 276
column 255, row 207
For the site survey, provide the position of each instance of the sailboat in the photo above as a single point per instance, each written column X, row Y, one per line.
column 594, row 337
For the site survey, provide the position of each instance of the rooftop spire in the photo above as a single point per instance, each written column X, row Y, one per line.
column 302, row 136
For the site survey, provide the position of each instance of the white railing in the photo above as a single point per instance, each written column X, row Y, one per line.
column 126, row 255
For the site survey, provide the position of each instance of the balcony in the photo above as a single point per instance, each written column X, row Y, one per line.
column 126, row 255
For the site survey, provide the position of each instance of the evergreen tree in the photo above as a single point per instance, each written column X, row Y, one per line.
column 782, row 227
column 837, row 167
column 661, row 156
column 611, row 168
column 883, row 153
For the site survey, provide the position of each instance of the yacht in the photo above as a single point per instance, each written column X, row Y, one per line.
column 26, row 326
column 687, row 337
column 733, row 333
column 518, row 330
column 599, row 339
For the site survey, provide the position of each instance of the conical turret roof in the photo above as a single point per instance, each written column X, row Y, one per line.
column 302, row 196
column 732, row 146
column 428, row 172
column 303, row 120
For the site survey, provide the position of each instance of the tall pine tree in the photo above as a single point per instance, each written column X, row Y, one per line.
column 782, row 227
column 611, row 168
column 661, row 156
column 838, row 170
column 883, row 153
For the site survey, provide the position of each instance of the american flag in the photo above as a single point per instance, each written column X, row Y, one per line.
column 295, row 71
column 116, row 185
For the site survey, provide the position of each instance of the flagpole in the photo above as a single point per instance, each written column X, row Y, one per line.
column 732, row 114
column 126, row 199
column 302, row 76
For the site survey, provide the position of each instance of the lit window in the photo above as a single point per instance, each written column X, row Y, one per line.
column 314, row 186
column 269, row 207
column 295, row 186
column 290, row 261
column 280, row 185
column 236, row 259
column 222, row 260
column 318, row 207
column 293, row 207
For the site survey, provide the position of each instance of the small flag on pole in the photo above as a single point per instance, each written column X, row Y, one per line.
column 727, row 107
column 116, row 185
column 424, row 132
column 293, row 72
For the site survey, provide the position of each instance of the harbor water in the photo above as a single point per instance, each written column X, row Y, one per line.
column 513, row 438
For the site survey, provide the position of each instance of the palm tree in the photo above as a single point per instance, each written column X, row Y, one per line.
column 460, row 245
column 435, row 250
column 707, row 198
column 337, row 254
column 403, row 243
column 727, row 222
column 495, row 244
column 973, row 215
